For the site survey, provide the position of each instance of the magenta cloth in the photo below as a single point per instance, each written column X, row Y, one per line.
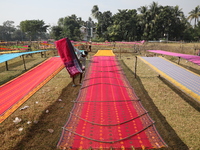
column 135, row 43
column 68, row 56
column 193, row 58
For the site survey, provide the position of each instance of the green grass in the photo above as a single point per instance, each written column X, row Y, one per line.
column 180, row 111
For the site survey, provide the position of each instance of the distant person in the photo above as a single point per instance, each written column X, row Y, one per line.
column 198, row 52
column 90, row 46
column 29, row 50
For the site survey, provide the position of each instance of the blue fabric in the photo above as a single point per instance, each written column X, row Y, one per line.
column 6, row 57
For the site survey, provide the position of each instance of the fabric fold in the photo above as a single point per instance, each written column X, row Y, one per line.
column 68, row 56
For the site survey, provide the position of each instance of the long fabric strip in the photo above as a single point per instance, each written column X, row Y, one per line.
column 14, row 93
column 68, row 56
column 108, row 123
column 193, row 58
column 182, row 78
column 6, row 57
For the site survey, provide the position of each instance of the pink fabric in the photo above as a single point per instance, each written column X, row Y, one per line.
column 68, row 56
column 136, row 42
column 107, row 113
column 193, row 58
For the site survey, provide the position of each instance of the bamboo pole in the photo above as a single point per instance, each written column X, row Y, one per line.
column 135, row 66
column 120, row 51
column 24, row 62
column 6, row 65
column 179, row 60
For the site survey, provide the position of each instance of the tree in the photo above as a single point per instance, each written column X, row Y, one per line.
column 152, row 23
column 33, row 28
column 194, row 14
column 147, row 20
column 7, row 30
column 96, row 13
column 124, row 25
column 70, row 27
column 18, row 35
column 142, row 22
column 56, row 32
column 156, row 21
column 197, row 32
column 104, row 21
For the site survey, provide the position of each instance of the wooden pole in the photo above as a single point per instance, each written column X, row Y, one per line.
column 24, row 62
column 6, row 66
column 135, row 66
column 179, row 60
column 120, row 51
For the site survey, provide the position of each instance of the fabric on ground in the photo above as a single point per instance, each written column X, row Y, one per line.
column 107, row 113
column 8, row 52
column 68, row 56
column 187, row 81
column 104, row 53
column 193, row 58
column 14, row 93
column 5, row 48
column 6, row 57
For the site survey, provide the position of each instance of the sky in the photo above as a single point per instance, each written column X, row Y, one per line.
column 51, row 10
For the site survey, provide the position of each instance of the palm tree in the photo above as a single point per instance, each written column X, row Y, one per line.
column 177, row 12
column 96, row 13
column 143, row 9
column 153, row 12
column 143, row 19
column 154, row 9
column 194, row 14
column 99, row 16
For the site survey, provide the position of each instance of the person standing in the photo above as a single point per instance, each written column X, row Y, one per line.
column 81, row 55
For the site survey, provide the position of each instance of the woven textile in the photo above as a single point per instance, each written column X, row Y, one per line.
column 104, row 53
column 182, row 78
column 6, row 57
column 14, row 93
column 68, row 56
column 107, row 113
column 193, row 58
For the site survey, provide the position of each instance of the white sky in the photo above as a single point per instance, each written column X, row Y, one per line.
column 51, row 10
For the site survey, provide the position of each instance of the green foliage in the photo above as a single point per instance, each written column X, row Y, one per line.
column 33, row 28
column 152, row 23
column 7, row 30
column 18, row 35
column 194, row 14
column 97, row 39
column 67, row 27
column 56, row 32
column 124, row 25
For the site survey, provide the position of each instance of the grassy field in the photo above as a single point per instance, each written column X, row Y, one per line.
column 176, row 115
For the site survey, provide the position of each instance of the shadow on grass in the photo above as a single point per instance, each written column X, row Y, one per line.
column 184, row 96
column 197, row 71
column 38, row 137
column 191, row 69
column 165, row 130
column 12, row 68
column 13, row 65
